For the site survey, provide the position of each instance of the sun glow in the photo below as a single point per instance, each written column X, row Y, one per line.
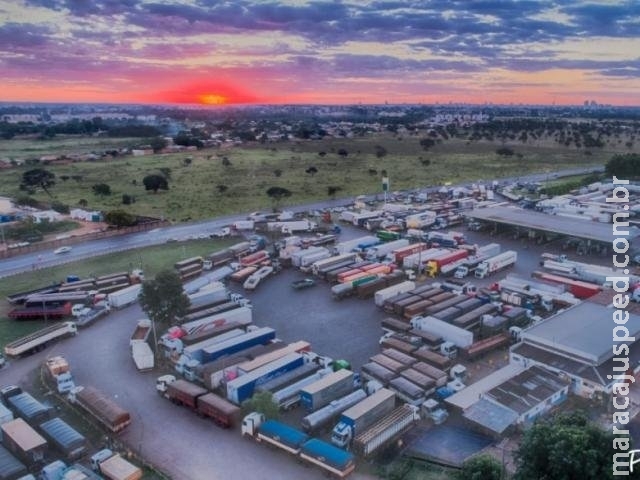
column 212, row 99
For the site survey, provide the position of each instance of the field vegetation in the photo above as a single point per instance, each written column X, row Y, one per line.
column 211, row 182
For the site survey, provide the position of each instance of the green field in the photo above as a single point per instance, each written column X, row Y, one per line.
column 151, row 260
column 194, row 192
column 25, row 148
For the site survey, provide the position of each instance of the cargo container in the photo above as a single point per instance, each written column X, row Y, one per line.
column 103, row 408
column 481, row 347
column 23, row 405
column 375, row 371
column 350, row 245
column 289, row 378
column 423, row 381
column 386, row 430
column 379, row 252
column 320, row 267
column 448, row 314
column 431, row 340
column 399, row 305
column 434, row 265
column 359, row 417
column 125, row 296
column 496, row 263
column 266, row 358
column 439, row 376
column 114, row 467
column 222, row 412
column 425, row 354
column 242, row 388
column 408, row 391
column 329, row 413
column 64, row 438
column 416, row 308
column 398, row 356
column 368, row 289
column 394, row 325
column 450, row 333
column 10, row 467
column 331, row 459
column 381, row 296
column 472, row 318
column 401, row 345
column 289, row 397
column 24, row 442
column 388, row 363
column 195, row 350
column 297, row 256
column 323, row 391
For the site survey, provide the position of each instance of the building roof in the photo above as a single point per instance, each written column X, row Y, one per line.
column 472, row 393
column 586, row 229
column 491, row 416
column 527, row 389
column 583, row 332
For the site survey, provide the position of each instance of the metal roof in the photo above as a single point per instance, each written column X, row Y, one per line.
column 64, row 434
column 582, row 332
column 496, row 418
column 472, row 393
column 586, row 229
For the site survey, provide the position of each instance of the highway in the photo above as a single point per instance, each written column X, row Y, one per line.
column 43, row 259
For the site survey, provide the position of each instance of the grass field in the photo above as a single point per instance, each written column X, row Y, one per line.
column 194, row 192
column 25, row 148
column 151, row 260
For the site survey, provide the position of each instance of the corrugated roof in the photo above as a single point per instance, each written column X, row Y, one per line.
column 492, row 416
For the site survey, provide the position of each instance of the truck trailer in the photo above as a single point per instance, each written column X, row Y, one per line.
column 385, row 430
column 101, row 407
column 359, row 417
column 323, row 416
column 330, row 387
column 496, row 263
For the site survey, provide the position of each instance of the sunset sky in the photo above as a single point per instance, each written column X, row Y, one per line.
column 323, row 52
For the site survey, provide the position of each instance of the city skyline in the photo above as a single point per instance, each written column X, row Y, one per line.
column 298, row 52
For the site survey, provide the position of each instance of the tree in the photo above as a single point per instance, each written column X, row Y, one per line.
column 120, row 218
column 166, row 172
column 625, row 166
column 128, row 199
column 155, row 182
column 158, row 144
column 277, row 194
column 565, row 447
column 187, row 161
column 427, row 143
column 332, row 190
column 226, row 162
column 82, row 202
column 101, row 189
column 380, row 151
column 163, row 298
column 222, row 188
column 277, row 172
column 482, row 467
column 343, row 152
column 311, row 170
column 38, row 178
column 261, row 402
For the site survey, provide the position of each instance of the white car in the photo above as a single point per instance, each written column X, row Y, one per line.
column 60, row 250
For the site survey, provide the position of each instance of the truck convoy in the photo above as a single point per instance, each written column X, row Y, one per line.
column 38, row 340
column 331, row 459
column 358, row 418
column 101, row 407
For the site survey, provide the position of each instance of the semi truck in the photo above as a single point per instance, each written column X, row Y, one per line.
column 320, row 267
column 323, row 391
column 385, row 430
column 191, row 360
column 101, row 407
column 297, row 256
column 384, row 294
column 295, row 442
column 398, row 255
column 359, row 417
column 198, row 399
column 481, row 347
column 289, row 396
column 114, row 467
column 25, row 406
column 242, row 387
column 64, row 438
column 125, row 296
column 59, row 373
column 325, row 415
column 450, row 333
column 38, row 340
column 496, row 263
column 434, row 265
column 378, row 252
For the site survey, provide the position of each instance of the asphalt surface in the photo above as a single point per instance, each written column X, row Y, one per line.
column 20, row 263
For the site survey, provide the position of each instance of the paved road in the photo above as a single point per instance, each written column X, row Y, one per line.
column 88, row 249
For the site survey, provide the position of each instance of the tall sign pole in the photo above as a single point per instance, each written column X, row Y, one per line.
column 385, row 187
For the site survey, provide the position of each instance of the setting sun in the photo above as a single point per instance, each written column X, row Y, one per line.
column 212, row 99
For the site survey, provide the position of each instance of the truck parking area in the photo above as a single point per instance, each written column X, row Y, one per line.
column 186, row 446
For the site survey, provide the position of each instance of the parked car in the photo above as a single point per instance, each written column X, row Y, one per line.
column 60, row 250
column 304, row 283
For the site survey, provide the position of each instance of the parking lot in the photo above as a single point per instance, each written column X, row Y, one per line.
column 187, row 447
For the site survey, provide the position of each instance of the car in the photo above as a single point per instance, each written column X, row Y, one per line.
column 60, row 250
column 304, row 283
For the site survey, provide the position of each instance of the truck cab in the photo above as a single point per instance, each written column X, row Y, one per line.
column 99, row 457
column 251, row 423
column 449, row 349
column 342, row 435
column 461, row 272
column 433, row 409
column 163, row 382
